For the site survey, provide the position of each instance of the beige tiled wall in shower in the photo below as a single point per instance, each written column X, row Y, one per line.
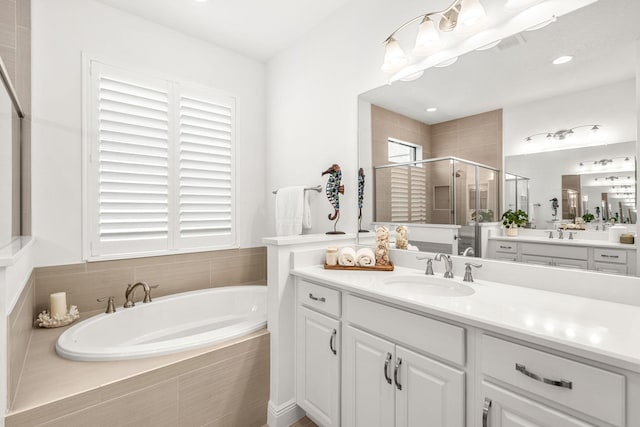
column 387, row 124
column 85, row 282
column 15, row 50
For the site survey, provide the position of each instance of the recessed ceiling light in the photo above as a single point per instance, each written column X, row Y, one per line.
column 562, row 60
column 432, row 109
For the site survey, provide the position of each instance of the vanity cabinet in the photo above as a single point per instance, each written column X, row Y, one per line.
column 318, row 353
column 385, row 383
column 593, row 393
column 606, row 260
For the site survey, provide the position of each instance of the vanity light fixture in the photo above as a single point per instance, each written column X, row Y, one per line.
column 562, row 133
column 468, row 12
column 519, row 4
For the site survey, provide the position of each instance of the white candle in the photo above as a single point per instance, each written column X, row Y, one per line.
column 58, row 304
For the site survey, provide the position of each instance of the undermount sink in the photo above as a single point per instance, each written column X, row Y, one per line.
column 429, row 285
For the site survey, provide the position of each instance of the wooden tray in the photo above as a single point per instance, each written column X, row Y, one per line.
column 388, row 267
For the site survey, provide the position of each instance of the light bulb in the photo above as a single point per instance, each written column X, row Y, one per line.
column 471, row 11
column 413, row 76
column 447, row 62
column 394, row 57
column 427, row 36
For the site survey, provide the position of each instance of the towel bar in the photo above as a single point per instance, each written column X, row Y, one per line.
column 317, row 188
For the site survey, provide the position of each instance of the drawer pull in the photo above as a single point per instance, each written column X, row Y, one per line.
column 609, row 256
column 557, row 383
column 332, row 341
column 485, row 412
column 321, row 299
column 395, row 373
column 386, row 368
column 505, row 247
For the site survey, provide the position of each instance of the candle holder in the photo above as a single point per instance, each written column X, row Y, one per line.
column 46, row 321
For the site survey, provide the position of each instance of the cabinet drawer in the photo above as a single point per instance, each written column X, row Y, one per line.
column 431, row 336
column 319, row 298
column 608, row 267
column 554, row 250
column 507, row 247
column 592, row 391
column 610, row 255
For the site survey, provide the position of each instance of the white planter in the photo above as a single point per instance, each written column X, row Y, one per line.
column 512, row 231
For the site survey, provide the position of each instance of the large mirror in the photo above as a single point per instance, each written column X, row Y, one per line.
column 510, row 130
column 11, row 116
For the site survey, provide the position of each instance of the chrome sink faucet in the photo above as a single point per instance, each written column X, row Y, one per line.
column 448, row 264
column 560, row 234
column 429, row 270
column 130, row 293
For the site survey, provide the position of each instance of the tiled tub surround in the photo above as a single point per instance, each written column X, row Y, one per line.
column 87, row 281
column 220, row 385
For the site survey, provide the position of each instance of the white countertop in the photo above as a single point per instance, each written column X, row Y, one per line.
column 565, row 241
column 598, row 330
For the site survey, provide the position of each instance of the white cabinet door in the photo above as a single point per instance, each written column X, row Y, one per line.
column 318, row 366
column 506, row 409
column 537, row 259
column 368, row 389
column 428, row 393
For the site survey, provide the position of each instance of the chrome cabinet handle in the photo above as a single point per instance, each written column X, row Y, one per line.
column 395, row 373
column 609, row 256
column 558, row 383
column 332, row 341
column 386, row 368
column 321, row 299
column 505, row 247
column 485, row 412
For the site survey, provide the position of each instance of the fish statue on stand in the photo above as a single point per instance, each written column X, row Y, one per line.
column 333, row 191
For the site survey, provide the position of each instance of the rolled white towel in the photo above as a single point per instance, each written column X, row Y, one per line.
column 365, row 257
column 347, row 256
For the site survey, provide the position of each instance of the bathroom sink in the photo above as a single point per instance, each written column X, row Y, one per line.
column 429, row 285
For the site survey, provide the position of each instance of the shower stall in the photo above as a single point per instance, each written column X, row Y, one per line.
column 443, row 190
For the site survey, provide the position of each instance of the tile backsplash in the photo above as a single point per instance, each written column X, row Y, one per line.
column 85, row 282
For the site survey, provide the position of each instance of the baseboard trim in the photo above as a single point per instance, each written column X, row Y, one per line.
column 284, row 415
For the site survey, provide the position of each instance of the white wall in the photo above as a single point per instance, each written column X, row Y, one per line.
column 312, row 102
column 62, row 30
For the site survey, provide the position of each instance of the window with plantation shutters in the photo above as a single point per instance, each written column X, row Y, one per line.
column 159, row 173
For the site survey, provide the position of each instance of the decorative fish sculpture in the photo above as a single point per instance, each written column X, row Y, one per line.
column 360, row 188
column 334, row 189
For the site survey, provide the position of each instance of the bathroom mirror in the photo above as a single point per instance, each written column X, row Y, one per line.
column 489, row 102
column 10, row 159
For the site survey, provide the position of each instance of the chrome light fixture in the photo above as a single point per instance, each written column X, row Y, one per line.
column 562, row 134
column 466, row 11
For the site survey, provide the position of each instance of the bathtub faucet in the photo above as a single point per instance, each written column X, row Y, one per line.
column 130, row 292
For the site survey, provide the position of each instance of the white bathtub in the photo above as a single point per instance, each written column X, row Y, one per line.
column 167, row 325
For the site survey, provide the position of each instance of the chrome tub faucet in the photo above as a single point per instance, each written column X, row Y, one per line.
column 130, row 293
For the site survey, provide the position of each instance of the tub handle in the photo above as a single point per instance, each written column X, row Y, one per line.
column 321, row 299
column 111, row 308
column 332, row 341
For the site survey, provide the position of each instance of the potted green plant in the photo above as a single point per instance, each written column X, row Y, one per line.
column 588, row 217
column 511, row 220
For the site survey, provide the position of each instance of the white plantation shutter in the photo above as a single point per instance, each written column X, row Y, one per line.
column 418, row 194
column 205, row 169
column 160, row 166
column 408, row 194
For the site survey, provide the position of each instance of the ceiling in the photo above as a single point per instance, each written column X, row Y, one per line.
column 255, row 28
column 601, row 37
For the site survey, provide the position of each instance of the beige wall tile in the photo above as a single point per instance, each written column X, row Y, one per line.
column 8, row 23
column 19, row 324
column 175, row 277
column 8, row 55
column 83, row 288
column 152, row 406
column 252, row 416
column 53, row 410
column 23, row 13
column 60, row 270
column 224, row 390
